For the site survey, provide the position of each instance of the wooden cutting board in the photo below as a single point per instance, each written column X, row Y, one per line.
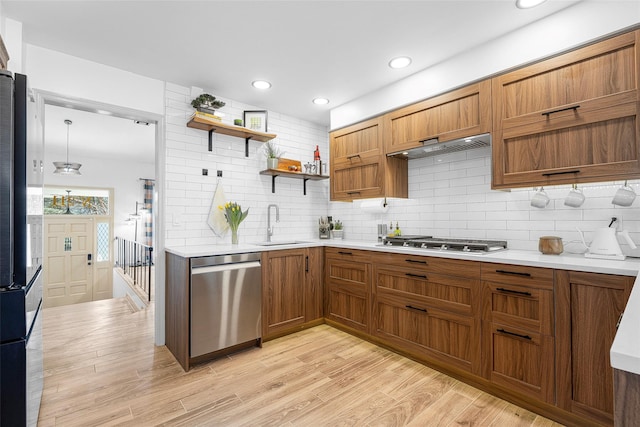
column 284, row 164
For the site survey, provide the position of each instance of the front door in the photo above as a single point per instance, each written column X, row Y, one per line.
column 68, row 261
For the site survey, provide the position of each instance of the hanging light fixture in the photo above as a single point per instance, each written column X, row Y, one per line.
column 66, row 168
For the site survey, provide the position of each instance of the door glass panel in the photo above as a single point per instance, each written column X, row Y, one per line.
column 102, row 244
column 80, row 201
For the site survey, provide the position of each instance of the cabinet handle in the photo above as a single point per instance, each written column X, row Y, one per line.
column 420, row 276
column 561, row 173
column 416, row 261
column 502, row 331
column 306, row 264
column 619, row 320
column 353, row 156
column 410, row 307
column 515, row 273
column 510, row 291
column 548, row 113
column 345, row 253
column 353, row 192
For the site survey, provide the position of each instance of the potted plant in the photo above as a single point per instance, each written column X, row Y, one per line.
column 234, row 216
column 273, row 154
column 206, row 103
column 338, row 231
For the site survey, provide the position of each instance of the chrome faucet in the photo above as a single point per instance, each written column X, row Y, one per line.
column 269, row 226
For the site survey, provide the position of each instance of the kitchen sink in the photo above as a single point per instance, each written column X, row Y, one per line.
column 281, row 243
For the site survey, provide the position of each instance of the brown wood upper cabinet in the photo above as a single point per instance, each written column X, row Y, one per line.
column 456, row 114
column 291, row 290
column 571, row 118
column 359, row 167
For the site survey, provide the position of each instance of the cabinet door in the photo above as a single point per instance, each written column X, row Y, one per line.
column 571, row 118
column 314, row 270
column 519, row 359
column 456, row 114
column 359, row 168
column 348, row 283
column 589, row 306
column 283, row 287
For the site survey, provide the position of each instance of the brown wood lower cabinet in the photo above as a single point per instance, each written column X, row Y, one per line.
column 518, row 329
column 348, row 288
column 430, row 307
column 589, row 306
column 292, row 290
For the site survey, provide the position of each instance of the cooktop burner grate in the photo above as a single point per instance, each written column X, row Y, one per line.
column 446, row 244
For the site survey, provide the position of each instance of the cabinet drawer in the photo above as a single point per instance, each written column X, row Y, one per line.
column 348, row 306
column 517, row 275
column 442, row 335
column 453, row 267
column 345, row 254
column 520, row 360
column 519, row 306
column 445, row 292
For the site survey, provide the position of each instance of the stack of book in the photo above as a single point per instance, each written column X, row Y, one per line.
column 207, row 116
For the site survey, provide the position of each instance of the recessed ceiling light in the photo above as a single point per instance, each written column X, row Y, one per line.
column 320, row 101
column 261, row 84
column 400, row 62
column 526, row 4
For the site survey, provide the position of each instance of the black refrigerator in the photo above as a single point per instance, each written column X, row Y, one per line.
column 21, row 180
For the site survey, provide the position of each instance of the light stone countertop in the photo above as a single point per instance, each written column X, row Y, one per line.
column 625, row 352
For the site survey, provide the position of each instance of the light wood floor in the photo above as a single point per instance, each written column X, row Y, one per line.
column 102, row 368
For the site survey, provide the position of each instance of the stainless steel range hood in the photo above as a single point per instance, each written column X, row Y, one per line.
column 431, row 147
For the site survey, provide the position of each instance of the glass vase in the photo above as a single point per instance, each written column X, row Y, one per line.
column 234, row 236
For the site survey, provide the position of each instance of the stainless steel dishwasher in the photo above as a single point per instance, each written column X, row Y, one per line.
column 226, row 302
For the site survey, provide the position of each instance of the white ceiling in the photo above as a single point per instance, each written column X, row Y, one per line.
column 96, row 135
column 333, row 49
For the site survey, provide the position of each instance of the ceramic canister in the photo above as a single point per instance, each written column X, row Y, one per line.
column 550, row 245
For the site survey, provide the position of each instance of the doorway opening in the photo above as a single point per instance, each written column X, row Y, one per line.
column 117, row 148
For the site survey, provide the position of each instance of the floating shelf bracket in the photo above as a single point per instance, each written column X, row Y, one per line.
column 304, row 184
column 211, row 131
column 246, row 146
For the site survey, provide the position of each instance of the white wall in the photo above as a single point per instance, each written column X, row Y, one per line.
column 578, row 24
column 79, row 78
column 189, row 193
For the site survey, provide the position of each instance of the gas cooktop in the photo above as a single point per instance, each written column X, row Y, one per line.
column 446, row 244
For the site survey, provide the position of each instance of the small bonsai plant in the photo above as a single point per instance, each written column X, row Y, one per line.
column 207, row 103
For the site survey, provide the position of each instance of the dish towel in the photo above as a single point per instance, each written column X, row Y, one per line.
column 216, row 219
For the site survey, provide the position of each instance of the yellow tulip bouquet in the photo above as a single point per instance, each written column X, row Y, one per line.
column 234, row 216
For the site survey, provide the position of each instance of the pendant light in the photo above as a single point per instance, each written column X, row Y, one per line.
column 66, row 168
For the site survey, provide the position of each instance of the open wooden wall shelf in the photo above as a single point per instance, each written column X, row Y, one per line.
column 197, row 122
column 298, row 175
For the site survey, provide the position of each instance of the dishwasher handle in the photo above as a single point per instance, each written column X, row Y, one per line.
column 224, row 267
